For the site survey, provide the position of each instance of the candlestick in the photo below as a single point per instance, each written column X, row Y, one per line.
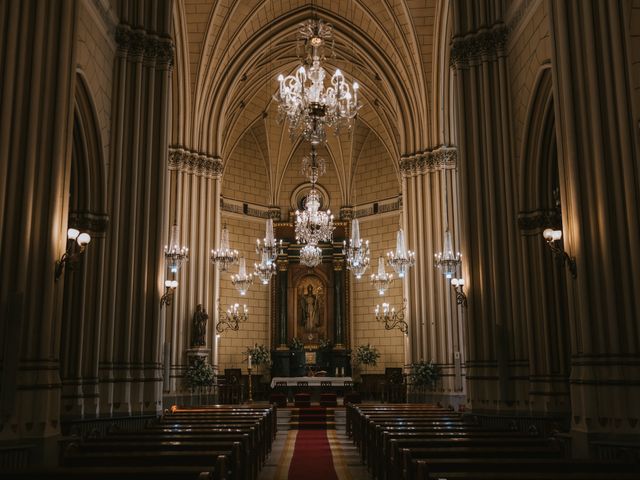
column 250, row 393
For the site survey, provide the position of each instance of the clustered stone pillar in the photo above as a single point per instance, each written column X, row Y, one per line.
column 599, row 162
column 430, row 200
column 497, row 351
column 194, row 205
column 37, row 70
column 130, row 369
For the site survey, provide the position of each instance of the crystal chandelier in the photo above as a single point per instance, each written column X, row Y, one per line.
column 402, row 259
column 381, row 280
column 311, row 255
column 224, row 256
column 265, row 269
column 312, row 224
column 231, row 319
column 242, row 280
column 313, row 166
column 391, row 318
column 357, row 253
column 303, row 99
column 447, row 261
column 269, row 249
column 174, row 253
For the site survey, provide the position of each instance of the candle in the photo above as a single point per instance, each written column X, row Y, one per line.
column 249, row 361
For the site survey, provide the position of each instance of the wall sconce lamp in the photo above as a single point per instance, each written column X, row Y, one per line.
column 461, row 297
column 231, row 319
column 553, row 238
column 169, row 290
column 76, row 243
column 392, row 318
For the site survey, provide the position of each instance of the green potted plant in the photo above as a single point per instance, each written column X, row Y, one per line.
column 424, row 374
column 199, row 376
column 259, row 356
column 366, row 355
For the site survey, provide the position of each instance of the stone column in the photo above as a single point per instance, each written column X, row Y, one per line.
column 131, row 353
column 282, row 287
column 338, row 302
column 37, row 74
column 496, row 348
column 599, row 170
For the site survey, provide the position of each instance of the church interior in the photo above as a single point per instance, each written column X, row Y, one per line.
column 337, row 239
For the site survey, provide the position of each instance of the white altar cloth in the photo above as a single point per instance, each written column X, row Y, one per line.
column 313, row 381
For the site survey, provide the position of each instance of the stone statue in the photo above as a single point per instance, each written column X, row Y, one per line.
column 199, row 328
column 310, row 309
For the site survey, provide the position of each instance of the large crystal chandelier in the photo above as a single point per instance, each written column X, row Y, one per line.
column 446, row 260
column 311, row 255
column 175, row 254
column 357, row 252
column 303, row 99
column 242, row 280
column 382, row 280
column 224, row 256
column 402, row 259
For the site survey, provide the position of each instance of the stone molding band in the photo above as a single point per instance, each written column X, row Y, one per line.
column 429, row 161
column 199, row 164
column 531, row 222
column 138, row 44
column 95, row 223
column 483, row 44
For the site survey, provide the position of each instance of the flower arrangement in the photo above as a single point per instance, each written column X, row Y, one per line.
column 325, row 345
column 425, row 373
column 296, row 344
column 259, row 355
column 366, row 355
column 199, row 373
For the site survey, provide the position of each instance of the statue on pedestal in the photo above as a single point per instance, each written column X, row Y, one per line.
column 199, row 327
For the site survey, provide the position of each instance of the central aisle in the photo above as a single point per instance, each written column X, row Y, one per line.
column 308, row 448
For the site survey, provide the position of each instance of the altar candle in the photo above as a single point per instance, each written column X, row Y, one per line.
column 249, row 361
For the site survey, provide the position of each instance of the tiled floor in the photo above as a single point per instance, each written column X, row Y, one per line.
column 345, row 455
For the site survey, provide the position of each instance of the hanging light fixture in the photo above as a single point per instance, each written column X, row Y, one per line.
column 302, row 98
column 381, row 280
column 402, row 259
column 446, row 260
column 175, row 254
column 311, row 255
column 231, row 319
column 357, row 252
column 265, row 269
column 242, row 280
column 392, row 318
column 224, row 257
column 269, row 249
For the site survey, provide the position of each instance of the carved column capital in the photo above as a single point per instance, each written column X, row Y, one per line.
column 195, row 163
column 485, row 43
column 428, row 161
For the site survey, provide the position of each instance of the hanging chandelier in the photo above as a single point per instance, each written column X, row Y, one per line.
column 313, row 166
column 242, row 280
column 265, row 269
column 391, row 318
column 312, row 224
column 357, row 253
column 231, row 319
column 224, row 257
column 402, row 259
column 302, row 98
column 381, row 280
column 175, row 254
column 447, row 261
column 311, row 255
column 269, row 249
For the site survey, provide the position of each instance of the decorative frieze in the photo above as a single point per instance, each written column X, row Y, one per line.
column 393, row 204
column 195, row 163
column 139, row 44
column 94, row 223
column 531, row 222
column 429, row 161
column 243, row 208
column 486, row 43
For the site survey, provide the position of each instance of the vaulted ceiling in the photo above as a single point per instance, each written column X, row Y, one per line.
column 229, row 53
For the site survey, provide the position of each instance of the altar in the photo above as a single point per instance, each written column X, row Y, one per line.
column 336, row 382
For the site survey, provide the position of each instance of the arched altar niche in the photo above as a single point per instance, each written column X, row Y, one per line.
column 311, row 303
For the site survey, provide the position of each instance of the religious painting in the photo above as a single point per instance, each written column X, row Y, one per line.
column 311, row 307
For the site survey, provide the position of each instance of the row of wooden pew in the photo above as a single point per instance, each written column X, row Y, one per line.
column 214, row 442
column 427, row 442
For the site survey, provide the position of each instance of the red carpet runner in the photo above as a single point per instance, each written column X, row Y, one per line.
column 312, row 457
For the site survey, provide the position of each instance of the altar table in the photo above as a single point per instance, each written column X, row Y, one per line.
column 313, row 381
